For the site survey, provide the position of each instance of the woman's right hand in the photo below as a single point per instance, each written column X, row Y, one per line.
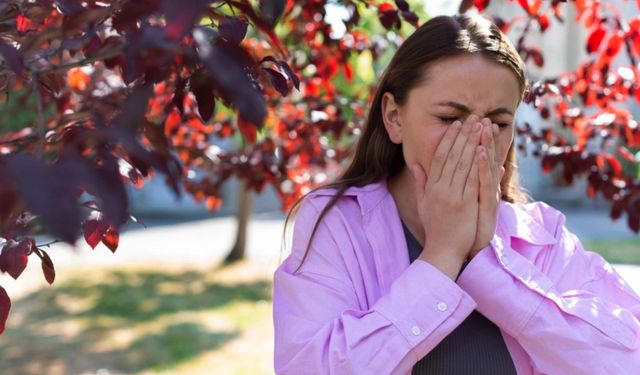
column 448, row 199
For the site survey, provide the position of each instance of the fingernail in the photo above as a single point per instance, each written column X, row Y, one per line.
column 477, row 126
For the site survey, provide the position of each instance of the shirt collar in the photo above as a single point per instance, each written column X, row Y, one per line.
column 516, row 221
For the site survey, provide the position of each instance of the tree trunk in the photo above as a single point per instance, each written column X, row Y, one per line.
column 245, row 200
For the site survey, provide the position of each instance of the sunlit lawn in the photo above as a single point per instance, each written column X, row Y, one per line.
column 143, row 321
column 161, row 320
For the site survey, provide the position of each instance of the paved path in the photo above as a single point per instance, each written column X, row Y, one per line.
column 204, row 242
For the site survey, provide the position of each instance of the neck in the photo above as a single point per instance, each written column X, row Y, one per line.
column 402, row 188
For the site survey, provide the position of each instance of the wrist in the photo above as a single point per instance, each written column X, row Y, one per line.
column 448, row 264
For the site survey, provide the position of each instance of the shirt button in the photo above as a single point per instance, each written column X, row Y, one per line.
column 415, row 330
column 505, row 260
column 533, row 283
column 442, row 306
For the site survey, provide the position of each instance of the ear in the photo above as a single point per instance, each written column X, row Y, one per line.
column 391, row 118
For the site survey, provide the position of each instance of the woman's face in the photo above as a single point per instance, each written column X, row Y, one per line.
column 456, row 87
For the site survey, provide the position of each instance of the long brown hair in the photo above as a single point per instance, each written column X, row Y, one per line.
column 376, row 157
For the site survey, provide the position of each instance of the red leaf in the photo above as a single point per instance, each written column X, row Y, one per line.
column 613, row 163
column 537, row 57
column 5, row 306
column 15, row 255
column 548, row 162
column 347, row 71
column 525, row 5
column 47, row 267
column 614, row 44
column 213, row 203
column 111, row 239
column 94, row 229
column 625, row 153
column 595, row 39
column 543, row 20
column 616, row 208
column 247, row 129
column 481, row 4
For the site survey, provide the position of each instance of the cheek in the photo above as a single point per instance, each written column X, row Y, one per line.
column 430, row 144
column 502, row 147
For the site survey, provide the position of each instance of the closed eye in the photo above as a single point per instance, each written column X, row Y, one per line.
column 450, row 120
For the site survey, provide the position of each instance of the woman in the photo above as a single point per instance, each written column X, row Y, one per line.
column 425, row 256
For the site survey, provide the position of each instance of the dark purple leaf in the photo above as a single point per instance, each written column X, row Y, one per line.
column 389, row 16
column 69, row 7
column 181, row 16
column 286, row 68
column 134, row 108
column 46, row 194
column 233, row 29
column 403, row 5
column 15, row 255
column 131, row 13
column 271, row 10
column 102, row 181
column 11, row 57
column 93, row 46
column 202, row 86
column 178, row 95
column 633, row 218
column 410, row 17
column 5, row 306
column 465, row 5
column 229, row 66
column 47, row 267
column 278, row 81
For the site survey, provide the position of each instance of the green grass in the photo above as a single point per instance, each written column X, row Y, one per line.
column 132, row 321
column 625, row 251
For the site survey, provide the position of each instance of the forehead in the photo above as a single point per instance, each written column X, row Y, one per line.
column 476, row 81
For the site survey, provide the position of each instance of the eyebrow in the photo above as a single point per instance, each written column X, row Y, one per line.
column 464, row 108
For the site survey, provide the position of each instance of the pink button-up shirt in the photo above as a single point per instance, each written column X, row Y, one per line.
column 357, row 306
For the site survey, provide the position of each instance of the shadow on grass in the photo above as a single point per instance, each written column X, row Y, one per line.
column 78, row 325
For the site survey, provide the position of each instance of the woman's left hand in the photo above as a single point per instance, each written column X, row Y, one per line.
column 490, row 175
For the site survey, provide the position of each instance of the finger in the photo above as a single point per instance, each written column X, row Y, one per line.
column 487, row 185
column 419, row 178
column 456, row 150
column 471, row 187
column 493, row 150
column 488, row 137
column 462, row 169
column 439, row 158
column 502, row 171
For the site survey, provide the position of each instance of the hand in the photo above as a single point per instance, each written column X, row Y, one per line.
column 490, row 192
column 448, row 199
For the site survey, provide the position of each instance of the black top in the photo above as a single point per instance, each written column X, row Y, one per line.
column 474, row 347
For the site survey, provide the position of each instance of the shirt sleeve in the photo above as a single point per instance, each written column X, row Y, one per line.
column 567, row 307
column 322, row 321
